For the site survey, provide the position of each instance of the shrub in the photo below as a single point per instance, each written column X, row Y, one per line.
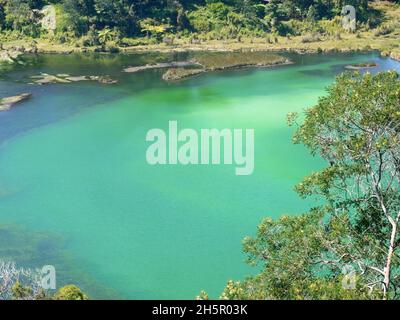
column 314, row 37
column 70, row 292
column 385, row 30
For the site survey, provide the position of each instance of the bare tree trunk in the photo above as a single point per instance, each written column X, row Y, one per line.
column 386, row 281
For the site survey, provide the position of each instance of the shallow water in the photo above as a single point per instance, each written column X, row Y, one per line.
column 73, row 166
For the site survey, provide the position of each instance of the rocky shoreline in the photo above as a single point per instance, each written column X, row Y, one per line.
column 11, row 54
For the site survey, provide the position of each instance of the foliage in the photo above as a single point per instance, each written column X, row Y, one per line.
column 355, row 128
column 18, row 283
column 21, row 292
column 224, row 18
column 25, row 284
column 348, row 247
column 152, row 28
column 17, row 15
column 202, row 296
column 70, row 292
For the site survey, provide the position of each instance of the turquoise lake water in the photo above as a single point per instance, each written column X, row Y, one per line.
column 76, row 190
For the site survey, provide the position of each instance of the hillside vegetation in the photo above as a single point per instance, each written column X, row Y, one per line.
column 106, row 25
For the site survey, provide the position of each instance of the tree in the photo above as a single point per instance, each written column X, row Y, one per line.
column 75, row 16
column 70, row 292
column 21, row 292
column 105, row 36
column 312, row 14
column 119, row 14
column 356, row 129
column 295, row 255
column 2, row 14
column 348, row 248
column 153, row 28
column 18, row 283
column 20, row 16
column 25, row 284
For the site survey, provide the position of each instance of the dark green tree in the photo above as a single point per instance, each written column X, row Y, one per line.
column 349, row 247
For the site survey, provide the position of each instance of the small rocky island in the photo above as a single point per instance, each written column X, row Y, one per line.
column 361, row 66
column 162, row 65
column 180, row 73
column 8, row 102
column 9, row 56
column 213, row 61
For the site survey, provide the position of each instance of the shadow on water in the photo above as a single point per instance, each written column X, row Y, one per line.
column 29, row 249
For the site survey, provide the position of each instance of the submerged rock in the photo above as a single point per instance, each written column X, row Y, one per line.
column 163, row 65
column 361, row 66
column 77, row 78
column 8, row 102
column 45, row 78
column 213, row 61
column 106, row 80
column 180, row 73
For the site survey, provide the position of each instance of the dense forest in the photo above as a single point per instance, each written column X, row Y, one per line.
column 136, row 18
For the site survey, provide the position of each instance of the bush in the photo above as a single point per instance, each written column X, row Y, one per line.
column 18, row 15
column 224, row 21
column 70, row 21
column 385, row 30
column 65, row 37
column 70, row 292
column 133, row 42
column 314, row 37
column 111, row 46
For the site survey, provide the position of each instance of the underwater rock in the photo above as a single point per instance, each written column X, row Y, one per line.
column 8, row 102
column 361, row 66
column 174, row 64
column 45, row 78
column 180, row 73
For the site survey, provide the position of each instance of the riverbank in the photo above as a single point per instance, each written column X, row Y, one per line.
column 388, row 46
column 384, row 38
column 348, row 43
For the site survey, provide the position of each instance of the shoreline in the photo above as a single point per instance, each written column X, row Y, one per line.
column 322, row 47
column 337, row 40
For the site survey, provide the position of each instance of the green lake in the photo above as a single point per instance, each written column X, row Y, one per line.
column 76, row 190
